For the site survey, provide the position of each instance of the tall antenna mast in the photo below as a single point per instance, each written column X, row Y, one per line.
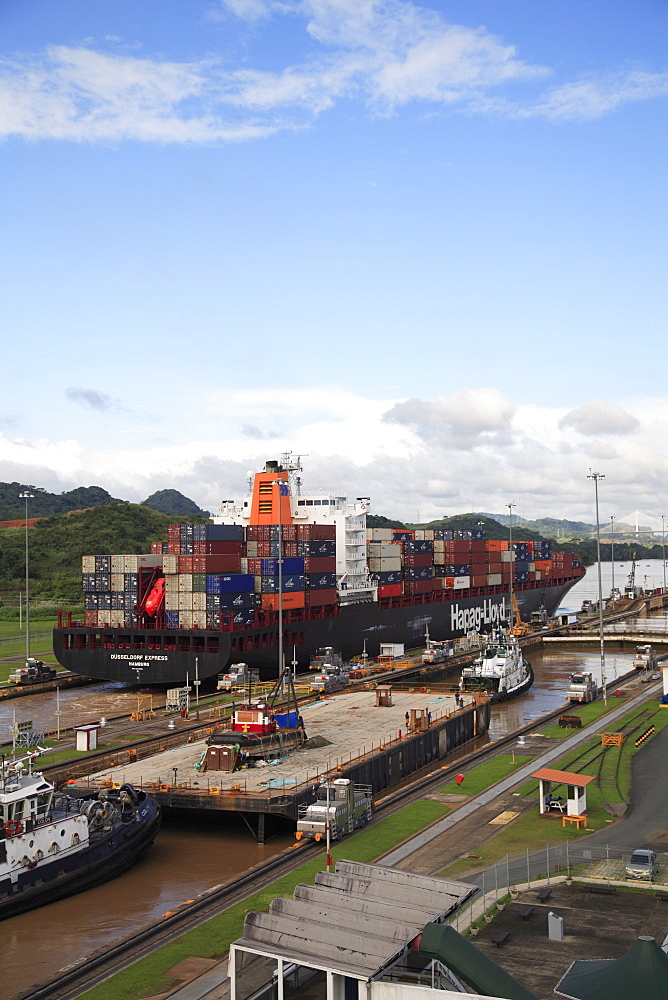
column 512, row 563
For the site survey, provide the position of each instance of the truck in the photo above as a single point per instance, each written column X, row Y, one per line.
column 645, row 658
column 239, row 677
column 583, row 687
column 34, row 672
column 331, row 679
column 325, row 656
column 341, row 804
column 437, row 652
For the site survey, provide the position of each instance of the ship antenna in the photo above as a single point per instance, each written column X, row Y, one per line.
column 512, row 564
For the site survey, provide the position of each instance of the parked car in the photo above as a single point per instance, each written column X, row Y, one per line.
column 642, row 864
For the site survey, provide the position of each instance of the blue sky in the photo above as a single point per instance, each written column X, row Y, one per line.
column 422, row 243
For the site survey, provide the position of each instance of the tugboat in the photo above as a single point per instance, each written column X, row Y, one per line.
column 500, row 671
column 54, row 845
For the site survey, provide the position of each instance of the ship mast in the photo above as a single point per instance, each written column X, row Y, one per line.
column 512, row 564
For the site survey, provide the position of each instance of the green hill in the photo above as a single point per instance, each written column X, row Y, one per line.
column 57, row 544
column 44, row 504
column 173, row 502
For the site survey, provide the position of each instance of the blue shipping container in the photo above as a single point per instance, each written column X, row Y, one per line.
column 231, row 601
column 171, row 619
column 291, row 564
column 321, row 581
column 224, row 532
column 235, row 583
column 290, row 583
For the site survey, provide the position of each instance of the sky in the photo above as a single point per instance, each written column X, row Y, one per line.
column 421, row 244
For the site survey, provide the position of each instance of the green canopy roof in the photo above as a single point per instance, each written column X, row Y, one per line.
column 470, row 964
column 642, row 972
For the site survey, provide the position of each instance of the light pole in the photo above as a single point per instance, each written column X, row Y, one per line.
column 663, row 548
column 26, row 495
column 612, row 553
column 512, row 563
column 596, row 476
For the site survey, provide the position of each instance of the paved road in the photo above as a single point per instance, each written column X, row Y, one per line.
column 646, row 821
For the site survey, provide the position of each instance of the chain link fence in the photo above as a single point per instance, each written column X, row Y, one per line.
column 537, row 868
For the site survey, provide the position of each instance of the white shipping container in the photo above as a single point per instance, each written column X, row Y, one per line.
column 394, row 649
column 494, row 579
column 172, row 602
column 185, row 582
column 199, row 602
column 171, row 583
column 118, row 581
column 118, row 564
column 461, row 582
column 199, row 619
column 170, row 563
column 104, row 618
column 134, row 563
column 88, row 564
column 507, row 556
column 251, row 550
column 186, row 619
column 378, row 535
column 117, row 618
column 185, row 601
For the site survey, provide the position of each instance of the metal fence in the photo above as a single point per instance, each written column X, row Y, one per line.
column 503, row 880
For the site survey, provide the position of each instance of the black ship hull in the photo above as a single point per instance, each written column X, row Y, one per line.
column 164, row 657
column 108, row 855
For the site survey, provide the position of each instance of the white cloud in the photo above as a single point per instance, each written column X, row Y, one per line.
column 597, row 417
column 463, row 420
column 469, row 451
column 593, row 97
column 384, row 53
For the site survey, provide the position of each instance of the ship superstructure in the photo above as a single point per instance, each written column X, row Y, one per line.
column 289, row 570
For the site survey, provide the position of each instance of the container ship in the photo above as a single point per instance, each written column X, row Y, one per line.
column 287, row 571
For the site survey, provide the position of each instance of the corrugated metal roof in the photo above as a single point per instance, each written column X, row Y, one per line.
column 355, row 921
column 563, row 777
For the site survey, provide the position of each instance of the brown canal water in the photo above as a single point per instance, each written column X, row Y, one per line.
column 188, row 858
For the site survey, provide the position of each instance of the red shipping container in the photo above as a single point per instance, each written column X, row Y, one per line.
column 390, row 590
column 295, row 599
column 216, row 564
column 478, row 545
column 419, row 586
column 418, row 558
column 320, row 564
column 323, row 532
column 221, row 548
column 90, row 619
column 496, row 545
column 173, row 548
column 318, row 598
column 186, row 564
column 478, row 580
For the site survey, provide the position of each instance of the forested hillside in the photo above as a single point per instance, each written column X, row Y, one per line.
column 56, row 546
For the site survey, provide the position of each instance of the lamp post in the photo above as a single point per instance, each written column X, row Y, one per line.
column 663, row 548
column 596, row 476
column 612, row 553
column 26, row 495
column 512, row 563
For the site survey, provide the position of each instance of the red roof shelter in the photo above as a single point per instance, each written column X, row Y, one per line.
column 575, row 803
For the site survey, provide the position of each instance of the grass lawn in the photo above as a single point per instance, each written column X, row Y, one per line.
column 486, row 774
column 212, row 940
column 535, row 830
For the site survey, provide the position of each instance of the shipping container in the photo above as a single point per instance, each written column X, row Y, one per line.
column 295, row 599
